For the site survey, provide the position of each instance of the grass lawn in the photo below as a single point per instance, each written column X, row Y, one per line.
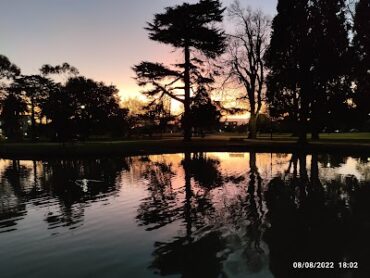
column 346, row 136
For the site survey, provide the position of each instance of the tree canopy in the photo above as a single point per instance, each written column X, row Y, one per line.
column 361, row 43
column 245, row 59
column 309, row 61
column 189, row 27
column 7, row 69
column 81, row 106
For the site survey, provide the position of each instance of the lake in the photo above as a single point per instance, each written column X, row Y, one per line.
column 185, row 215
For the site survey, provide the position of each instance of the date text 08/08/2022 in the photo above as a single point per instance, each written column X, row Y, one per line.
column 325, row 265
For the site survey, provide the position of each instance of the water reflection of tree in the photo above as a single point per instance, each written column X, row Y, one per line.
column 204, row 170
column 160, row 207
column 311, row 221
column 164, row 204
column 243, row 223
column 331, row 160
column 73, row 199
column 52, row 184
column 254, row 206
column 207, row 233
column 13, row 195
column 194, row 252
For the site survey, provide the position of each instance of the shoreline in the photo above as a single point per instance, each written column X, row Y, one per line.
column 175, row 145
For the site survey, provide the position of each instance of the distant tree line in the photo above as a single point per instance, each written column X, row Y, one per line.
column 58, row 103
column 61, row 105
column 308, row 69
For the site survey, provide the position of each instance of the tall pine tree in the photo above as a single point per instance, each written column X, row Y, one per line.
column 309, row 61
column 331, row 63
column 289, row 58
column 189, row 27
column 361, row 45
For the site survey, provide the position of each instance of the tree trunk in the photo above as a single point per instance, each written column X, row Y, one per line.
column 252, row 127
column 315, row 126
column 33, row 121
column 315, row 134
column 186, row 119
column 303, row 116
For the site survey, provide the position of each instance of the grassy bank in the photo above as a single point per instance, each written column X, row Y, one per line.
column 349, row 143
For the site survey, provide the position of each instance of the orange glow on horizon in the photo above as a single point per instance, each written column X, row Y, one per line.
column 134, row 92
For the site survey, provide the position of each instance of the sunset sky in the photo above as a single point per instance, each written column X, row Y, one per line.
column 102, row 38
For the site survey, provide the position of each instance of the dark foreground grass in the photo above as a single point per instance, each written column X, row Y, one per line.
column 343, row 143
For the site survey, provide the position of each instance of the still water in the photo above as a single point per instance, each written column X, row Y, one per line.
column 185, row 215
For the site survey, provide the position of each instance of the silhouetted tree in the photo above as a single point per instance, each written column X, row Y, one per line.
column 289, row 59
column 7, row 69
column 83, row 105
column 36, row 89
column 59, row 108
column 189, row 27
column 204, row 114
column 309, row 62
column 156, row 117
column 65, row 69
column 361, row 43
column 13, row 106
column 265, row 124
column 119, row 123
column 247, row 47
column 57, row 104
column 331, row 62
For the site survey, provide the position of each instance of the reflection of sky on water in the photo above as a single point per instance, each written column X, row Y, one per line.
column 235, row 163
column 33, row 174
column 155, row 210
column 352, row 167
